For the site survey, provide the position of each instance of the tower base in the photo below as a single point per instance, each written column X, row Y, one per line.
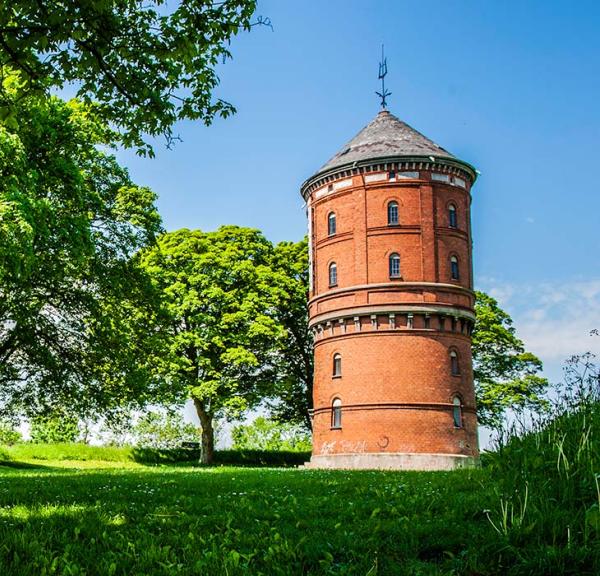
column 391, row 461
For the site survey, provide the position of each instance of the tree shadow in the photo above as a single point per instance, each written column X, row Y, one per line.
column 19, row 465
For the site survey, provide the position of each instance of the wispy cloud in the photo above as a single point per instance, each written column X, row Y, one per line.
column 553, row 319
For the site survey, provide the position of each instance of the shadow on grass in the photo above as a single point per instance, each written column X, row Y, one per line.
column 191, row 457
column 18, row 465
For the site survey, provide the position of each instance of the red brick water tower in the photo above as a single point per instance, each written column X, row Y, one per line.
column 391, row 303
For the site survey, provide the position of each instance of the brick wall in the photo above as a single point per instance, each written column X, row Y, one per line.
column 394, row 335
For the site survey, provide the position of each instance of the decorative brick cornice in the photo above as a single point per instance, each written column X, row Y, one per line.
column 393, row 163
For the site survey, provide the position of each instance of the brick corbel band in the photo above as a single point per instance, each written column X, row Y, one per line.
column 442, row 406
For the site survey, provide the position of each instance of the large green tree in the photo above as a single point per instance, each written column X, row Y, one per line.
column 220, row 294
column 144, row 64
column 70, row 219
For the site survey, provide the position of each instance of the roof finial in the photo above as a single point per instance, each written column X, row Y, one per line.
column 382, row 73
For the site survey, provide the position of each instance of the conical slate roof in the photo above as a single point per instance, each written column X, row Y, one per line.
column 385, row 137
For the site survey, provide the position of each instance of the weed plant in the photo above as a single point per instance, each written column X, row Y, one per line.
column 547, row 482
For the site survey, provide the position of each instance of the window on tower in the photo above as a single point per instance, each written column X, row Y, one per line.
column 457, row 412
column 454, row 369
column 394, row 265
column 392, row 213
column 452, row 220
column 333, row 274
column 454, row 268
column 336, row 413
column 331, row 224
column 337, row 365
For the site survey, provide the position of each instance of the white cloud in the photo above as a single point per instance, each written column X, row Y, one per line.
column 553, row 319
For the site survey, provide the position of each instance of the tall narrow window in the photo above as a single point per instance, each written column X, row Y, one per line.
column 394, row 265
column 336, row 413
column 331, row 224
column 392, row 209
column 337, row 364
column 452, row 221
column 333, row 274
column 454, row 363
column 454, row 268
column 457, row 412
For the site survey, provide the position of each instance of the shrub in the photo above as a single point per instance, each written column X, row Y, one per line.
column 267, row 434
column 163, row 431
column 9, row 435
column 57, row 426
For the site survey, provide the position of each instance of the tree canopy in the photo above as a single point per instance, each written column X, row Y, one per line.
column 143, row 65
column 220, row 295
column 293, row 364
column 70, row 219
column 506, row 375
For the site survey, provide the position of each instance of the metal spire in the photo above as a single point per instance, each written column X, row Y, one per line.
column 382, row 74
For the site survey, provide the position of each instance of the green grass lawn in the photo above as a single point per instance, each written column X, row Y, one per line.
column 534, row 509
column 94, row 519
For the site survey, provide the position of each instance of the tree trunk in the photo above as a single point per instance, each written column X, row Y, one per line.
column 208, row 434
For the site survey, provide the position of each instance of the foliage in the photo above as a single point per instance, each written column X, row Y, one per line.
column 268, row 434
column 70, row 218
column 548, row 480
column 118, row 429
column 505, row 374
column 105, row 456
column 57, row 426
column 220, row 296
column 293, row 366
column 8, row 433
column 69, row 452
column 143, row 64
column 163, row 430
column 261, row 458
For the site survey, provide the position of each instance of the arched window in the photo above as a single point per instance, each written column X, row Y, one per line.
column 454, row 268
column 452, row 220
column 392, row 210
column 333, row 274
column 336, row 413
column 457, row 412
column 394, row 263
column 331, row 224
column 337, row 364
column 454, row 370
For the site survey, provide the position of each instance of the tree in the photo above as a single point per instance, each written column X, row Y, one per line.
column 8, row 433
column 55, row 426
column 220, row 295
column 142, row 64
column 505, row 374
column 163, row 430
column 70, row 219
column 268, row 434
column 293, row 367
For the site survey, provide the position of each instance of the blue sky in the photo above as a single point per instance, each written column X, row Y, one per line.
column 512, row 88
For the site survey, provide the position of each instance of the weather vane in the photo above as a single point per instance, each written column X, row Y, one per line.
column 382, row 73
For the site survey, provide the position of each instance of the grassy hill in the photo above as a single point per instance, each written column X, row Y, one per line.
column 533, row 508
